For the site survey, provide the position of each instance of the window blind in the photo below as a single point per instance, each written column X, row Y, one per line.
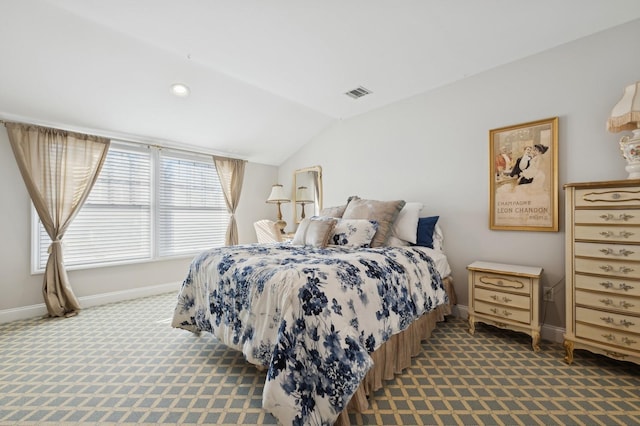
column 146, row 204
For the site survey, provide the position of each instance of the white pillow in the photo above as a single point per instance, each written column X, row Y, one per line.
column 353, row 233
column 406, row 225
column 438, row 238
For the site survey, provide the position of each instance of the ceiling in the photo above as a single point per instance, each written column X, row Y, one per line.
column 265, row 76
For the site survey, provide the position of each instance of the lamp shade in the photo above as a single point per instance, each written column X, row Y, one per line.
column 626, row 113
column 303, row 196
column 277, row 195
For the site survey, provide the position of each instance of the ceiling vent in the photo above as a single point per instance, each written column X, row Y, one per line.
column 358, row 92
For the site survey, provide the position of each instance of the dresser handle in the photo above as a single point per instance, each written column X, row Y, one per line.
column 623, row 269
column 610, row 337
column 615, row 354
column 505, row 299
column 623, row 217
column 622, row 234
column 606, row 302
column 628, row 341
column 504, row 312
column 621, row 252
column 622, row 322
column 621, row 286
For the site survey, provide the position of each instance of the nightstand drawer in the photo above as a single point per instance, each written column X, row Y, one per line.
column 505, row 282
column 505, row 299
column 504, row 312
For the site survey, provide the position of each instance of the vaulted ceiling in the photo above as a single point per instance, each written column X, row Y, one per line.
column 265, row 76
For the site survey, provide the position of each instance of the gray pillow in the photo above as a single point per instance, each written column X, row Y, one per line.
column 336, row 211
column 314, row 232
column 383, row 212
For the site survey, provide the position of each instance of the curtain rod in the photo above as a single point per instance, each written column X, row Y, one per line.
column 122, row 137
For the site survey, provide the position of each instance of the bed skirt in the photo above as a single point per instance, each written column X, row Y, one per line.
column 395, row 355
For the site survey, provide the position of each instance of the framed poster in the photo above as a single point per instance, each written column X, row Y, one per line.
column 523, row 178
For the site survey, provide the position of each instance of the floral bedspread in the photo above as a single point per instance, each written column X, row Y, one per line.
column 310, row 316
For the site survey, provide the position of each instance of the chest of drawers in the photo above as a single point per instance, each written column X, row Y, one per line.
column 506, row 296
column 603, row 269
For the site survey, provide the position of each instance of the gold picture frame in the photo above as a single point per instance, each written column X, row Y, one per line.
column 523, row 178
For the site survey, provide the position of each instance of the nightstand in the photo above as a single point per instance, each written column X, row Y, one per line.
column 506, row 296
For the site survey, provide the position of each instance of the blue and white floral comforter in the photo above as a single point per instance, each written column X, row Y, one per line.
column 310, row 316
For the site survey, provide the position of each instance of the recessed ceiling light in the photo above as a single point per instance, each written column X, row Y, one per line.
column 180, row 89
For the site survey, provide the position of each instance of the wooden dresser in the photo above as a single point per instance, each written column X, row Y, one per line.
column 603, row 269
column 506, row 296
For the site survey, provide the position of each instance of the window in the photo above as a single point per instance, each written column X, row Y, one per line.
column 147, row 204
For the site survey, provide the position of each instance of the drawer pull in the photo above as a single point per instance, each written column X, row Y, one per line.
column 623, row 304
column 505, row 299
column 615, row 354
column 625, row 340
column 622, row 322
column 621, row 286
column 623, row 269
column 621, row 252
column 624, row 217
column 504, row 313
column 622, row 234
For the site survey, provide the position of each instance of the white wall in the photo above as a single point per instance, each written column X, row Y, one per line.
column 22, row 292
column 434, row 148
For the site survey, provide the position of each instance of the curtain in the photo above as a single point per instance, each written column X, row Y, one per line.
column 59, row 169
column 231, row 174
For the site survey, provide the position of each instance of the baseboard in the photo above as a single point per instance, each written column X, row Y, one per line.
column 39, row 310
column 547, row 332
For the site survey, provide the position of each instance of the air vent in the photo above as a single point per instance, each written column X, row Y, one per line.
column 358, row 92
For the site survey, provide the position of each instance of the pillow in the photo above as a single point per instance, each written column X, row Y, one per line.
column 406, row 225
column 314, row 232
column 353, row 233
column 336, row 211
column 383, row 212
column 438, row 238
column 397, row 242
column 426, row 229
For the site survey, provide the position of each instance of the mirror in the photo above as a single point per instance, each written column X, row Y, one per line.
column 307, row 192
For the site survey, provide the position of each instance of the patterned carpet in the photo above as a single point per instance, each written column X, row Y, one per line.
column 124, row 364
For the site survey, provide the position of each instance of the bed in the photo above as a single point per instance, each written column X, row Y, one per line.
column 327, row 316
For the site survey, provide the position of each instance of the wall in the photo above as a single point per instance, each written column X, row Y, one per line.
column 434, row 148
column 22, row 292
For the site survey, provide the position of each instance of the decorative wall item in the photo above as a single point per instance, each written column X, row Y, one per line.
column 523, row 178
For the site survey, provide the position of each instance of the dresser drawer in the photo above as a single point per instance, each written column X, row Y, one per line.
column 610, row 285
column 608, row 251
column 609, row 337
column 504, row 299
column 607, row 197
column 608, row 320
column 607, row 217
column 504, row 312
column 618, row 234
column 613, row 268
column 515, row 284
column 611, row 302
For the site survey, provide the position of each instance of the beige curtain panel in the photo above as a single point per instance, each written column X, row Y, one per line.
column 231, row 174
column 59, row 169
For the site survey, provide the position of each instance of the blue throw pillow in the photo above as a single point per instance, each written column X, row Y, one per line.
column 426, row 226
